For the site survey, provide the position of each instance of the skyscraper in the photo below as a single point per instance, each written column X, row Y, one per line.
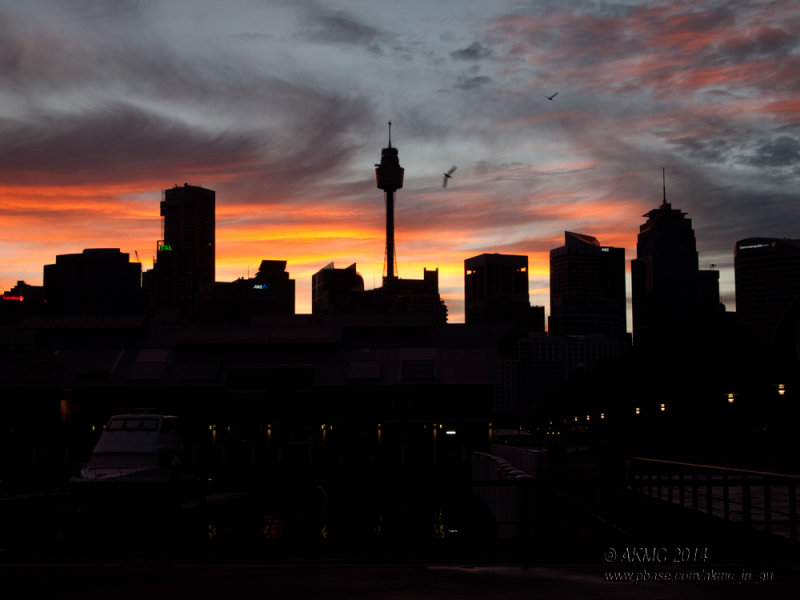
column 186, row 252
column 767, row 274
column 335, row 290
column 587, row 288
column 496, row 291
column 664, row 274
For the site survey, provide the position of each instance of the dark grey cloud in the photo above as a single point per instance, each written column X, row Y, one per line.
column 475, row 51
column 102, row 9
column 783, row 151
column 472, row 83
column 768, row 41
column 114, row 142
column 323, row 26
column 147, row 107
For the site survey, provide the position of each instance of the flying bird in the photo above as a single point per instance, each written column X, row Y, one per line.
column 448, row 175
column 551, row 97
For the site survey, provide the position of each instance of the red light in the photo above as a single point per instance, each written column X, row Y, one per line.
column 17, row 298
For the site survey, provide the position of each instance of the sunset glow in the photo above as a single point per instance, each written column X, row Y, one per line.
column 281, row 108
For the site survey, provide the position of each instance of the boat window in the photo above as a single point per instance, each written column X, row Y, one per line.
column 133, row 424
column 150, row 424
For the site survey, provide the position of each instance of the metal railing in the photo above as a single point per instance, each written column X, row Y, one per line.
column 759, row 499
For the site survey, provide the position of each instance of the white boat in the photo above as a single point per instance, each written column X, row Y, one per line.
column 136, row 448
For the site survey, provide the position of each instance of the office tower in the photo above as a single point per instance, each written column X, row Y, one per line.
column 97, row 281
column 587, row 288
column 186, row 252
column 767, row 272
column 496, row 291
column 332, row 289
column 664, row 274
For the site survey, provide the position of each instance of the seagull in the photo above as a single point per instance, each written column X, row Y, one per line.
column 448, row 175
column 551, row 97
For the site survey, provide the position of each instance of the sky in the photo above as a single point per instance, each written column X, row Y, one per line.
column 281, row 107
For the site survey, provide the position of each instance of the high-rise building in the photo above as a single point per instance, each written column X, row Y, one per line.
column 97, row 281
column 664, row 276
column 767, row 274
column 332, row 290
column 496, row 291
column 671, row 297
column 186, row 252
column 587, row 288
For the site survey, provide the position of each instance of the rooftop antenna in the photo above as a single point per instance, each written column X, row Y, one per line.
column 664, row 183
column 390, row 134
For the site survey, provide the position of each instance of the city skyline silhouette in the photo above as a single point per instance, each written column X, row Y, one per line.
column 285, row 128
column 539, row 337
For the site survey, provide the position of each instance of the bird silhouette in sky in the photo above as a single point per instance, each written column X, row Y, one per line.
column 551, row 97
column 448, row 175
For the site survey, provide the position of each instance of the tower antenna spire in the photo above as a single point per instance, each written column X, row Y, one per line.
column 664, row 183
column 390, row 134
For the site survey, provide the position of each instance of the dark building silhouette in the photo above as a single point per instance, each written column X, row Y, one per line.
column 496, row 291
column 24, row 292
column 21, row 300
column 97, row 281
column 334, row 290
column 767, row 274
column 409, row 296
column 342, row 290
column 671, row 296
column 270, row 292
column 664, row 273
column 587, row 288
column 185, row 259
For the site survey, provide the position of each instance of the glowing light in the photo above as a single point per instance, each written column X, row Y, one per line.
column 449, row 432
column 638, row 410
column 730, row 398
column 781, row 389
column 663, row 407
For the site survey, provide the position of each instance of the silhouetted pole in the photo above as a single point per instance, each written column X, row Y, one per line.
column 389, row 177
